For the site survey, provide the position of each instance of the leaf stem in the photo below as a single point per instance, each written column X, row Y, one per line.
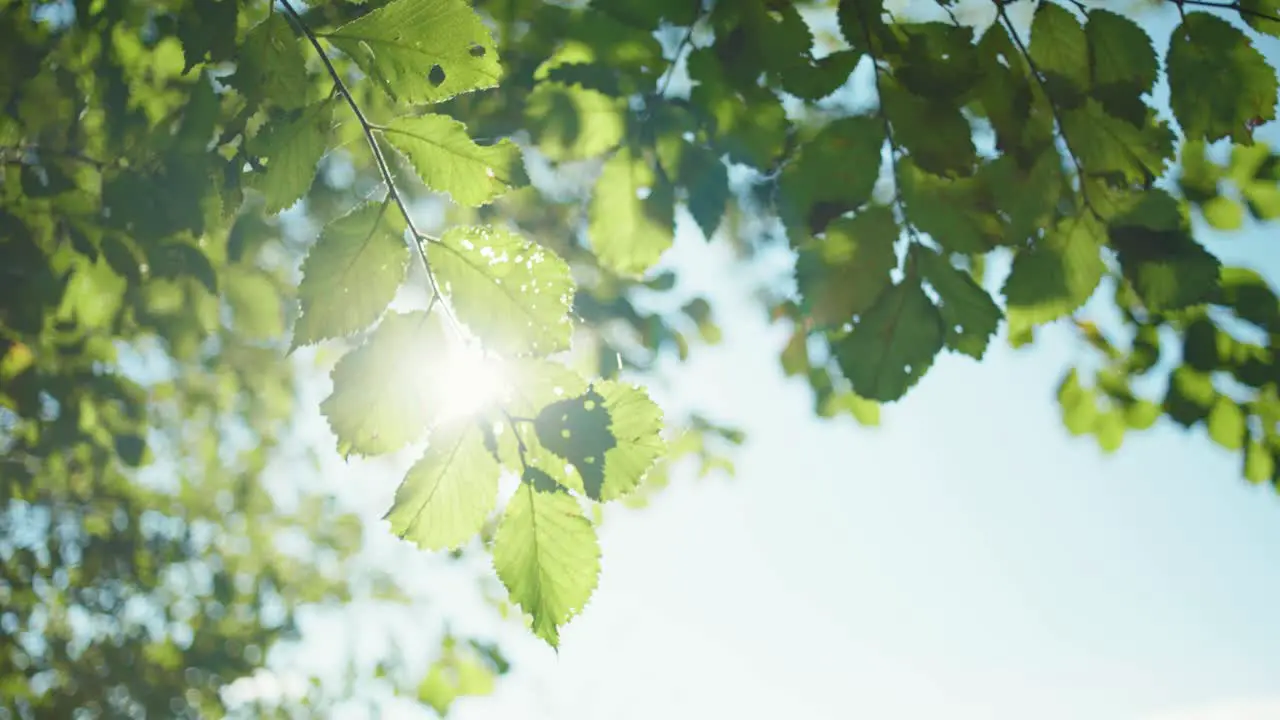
column 520, row 446
column 419, row 237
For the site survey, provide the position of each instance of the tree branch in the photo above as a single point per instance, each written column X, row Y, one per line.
column 1222, row 5
column 419, row 237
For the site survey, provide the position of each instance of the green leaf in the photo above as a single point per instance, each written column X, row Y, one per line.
column 937, row 137
column 1259, row 14
column 1059, row 49
column 706, row 180
column 1079, row 404
column 574, row 123
column 351, row 274
column 1219, row 84
column 1167, row 267
column 949, row 210
column 270, row 65
column 422, row 51
column 1108, row 145
column 447, row 495
column 1258, row 463
column 969, row 314
column 647, row 14
column 207, row 29
column 841, row 275
column 1227, row 423
column 838, row 167
column 746, row 122
column 1059, row 273
column 610, row 434
column 513, row 294
column 448, row 161
column 383, row 394
column 631, row 215
column 293, row 147
column 1121, row 57
column 547, row 555
column 1028, row 197
column 816, row 79
column 1223, row 213
column 893, row 343
column 255, row 304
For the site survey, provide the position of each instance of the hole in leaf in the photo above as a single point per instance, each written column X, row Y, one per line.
column 436, row 76
column 477, row 50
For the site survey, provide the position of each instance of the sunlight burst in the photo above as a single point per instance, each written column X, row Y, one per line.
column 468, row 380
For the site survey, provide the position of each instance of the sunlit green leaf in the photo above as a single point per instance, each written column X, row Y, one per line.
column 449, row 161
column 1059, row 273
column 631, row 215
column 422, row 51
column 610, row 435
column 448, row 493
column 547, row 555
column 383, row 394
column 292, row 147
column 351, row 274
column 513, row 294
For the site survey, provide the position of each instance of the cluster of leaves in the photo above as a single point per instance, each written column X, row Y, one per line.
column 1042, row 144
column 143, row 391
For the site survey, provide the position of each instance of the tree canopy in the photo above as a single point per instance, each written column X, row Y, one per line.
column 198, row 193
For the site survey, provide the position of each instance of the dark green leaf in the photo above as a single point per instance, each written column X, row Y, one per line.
column 969, row 314
column 893, row 344
column 1219, row 84
column 841, row 275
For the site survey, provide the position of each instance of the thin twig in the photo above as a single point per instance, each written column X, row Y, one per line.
column 1053, row 108
column 420, row 238
column 1228, row 6
column 675, row 58
column 888, row 131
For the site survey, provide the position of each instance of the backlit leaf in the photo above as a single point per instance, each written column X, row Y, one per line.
column 547, row 555
column 893, row 343
column 449, row 161
column 292, row 147
column 1203, row 51
column 514, row 294
column 1059, row 273
column 610, row 434
column 841, row 275
column 383, row 394
column 422, row 51
column 351, row 274
column 631, row 215
column 448, row 493
column 969, row 314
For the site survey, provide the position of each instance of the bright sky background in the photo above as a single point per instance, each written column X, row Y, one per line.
column 966, row 561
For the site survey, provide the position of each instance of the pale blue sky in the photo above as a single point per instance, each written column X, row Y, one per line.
column 967, row 560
